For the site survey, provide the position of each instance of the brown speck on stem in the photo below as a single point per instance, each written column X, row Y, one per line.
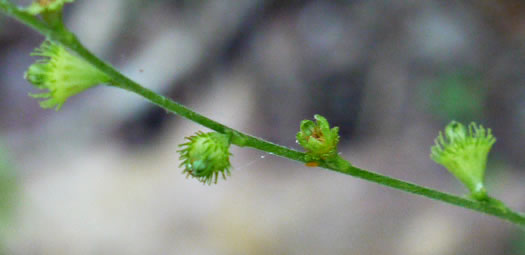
column 45, row 2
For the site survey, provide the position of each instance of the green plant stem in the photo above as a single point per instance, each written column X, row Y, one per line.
column 68, row 39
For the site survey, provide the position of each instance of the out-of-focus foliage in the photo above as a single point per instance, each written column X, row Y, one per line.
column 7, row 193
column 519, row 243
column 7, row 187
column 458, row 96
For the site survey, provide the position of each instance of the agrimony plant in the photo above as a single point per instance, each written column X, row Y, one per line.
column 205, row 156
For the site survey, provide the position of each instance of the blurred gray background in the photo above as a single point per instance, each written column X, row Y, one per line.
column 101, row 176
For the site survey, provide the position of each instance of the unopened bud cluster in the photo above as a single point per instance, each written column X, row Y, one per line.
column 319, row 141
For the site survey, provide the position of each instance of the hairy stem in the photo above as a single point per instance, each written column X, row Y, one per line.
column 68, row 39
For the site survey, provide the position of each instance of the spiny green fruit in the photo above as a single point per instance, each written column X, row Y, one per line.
column 463, row 151
column 62, row 73
column 206, row 156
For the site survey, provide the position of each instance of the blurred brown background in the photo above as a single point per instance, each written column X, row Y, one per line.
column 101, row 176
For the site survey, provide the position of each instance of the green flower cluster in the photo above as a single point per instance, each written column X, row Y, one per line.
column 206, row 156
column 319, row 141
column 463, row 151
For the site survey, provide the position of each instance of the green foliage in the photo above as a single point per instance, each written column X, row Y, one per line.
column 518, row 244
column 456, row 96
column 8, row 189
column 7, row 185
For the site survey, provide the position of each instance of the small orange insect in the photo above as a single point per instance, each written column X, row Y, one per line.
column 312, row 164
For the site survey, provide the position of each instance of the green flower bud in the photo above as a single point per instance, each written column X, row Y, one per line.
column 40, row 6
column 319, row 141
column 205, row 156
column 62, row 73
column 463, row 151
